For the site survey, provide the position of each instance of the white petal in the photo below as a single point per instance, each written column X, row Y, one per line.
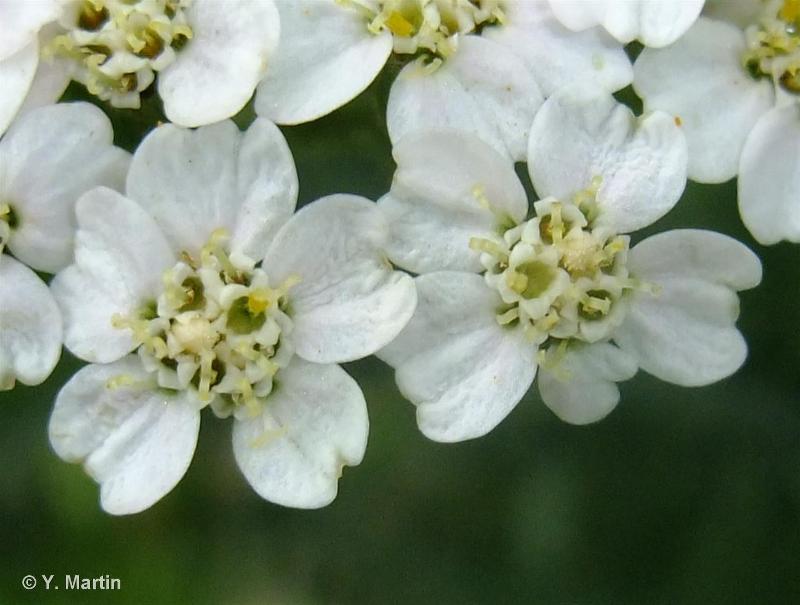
column 463, row 371
column 349, row 302
column 325, row 58
column 314, row 423
column 267, row 187
column 120, row 256
column 195, row 181
column 655, row 23
column 437, row 201
column 51, row 80
column 16, row 75
column 557, row 56
column 484, row 88
column 581, row 133
column 578, row 15
column 685, row 333
column 582, row 387
column 21, row 21
column 769, row 178
column 704, row 64
column 30, row 326
column 135, row 440
column 48, row 159
column 216, row 73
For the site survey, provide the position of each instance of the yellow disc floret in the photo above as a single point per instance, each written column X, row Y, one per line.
column 116, row 46
column 560, row 275
column 427, row 27
column 773, row 45
column 218, row 328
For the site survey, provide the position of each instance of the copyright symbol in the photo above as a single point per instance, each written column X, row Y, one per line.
column 29, row 582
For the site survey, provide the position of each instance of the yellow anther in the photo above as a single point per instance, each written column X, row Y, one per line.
column 183, row 31
column 555, row 226
column 135, row 42
column 481, row 244
column 207, row 376
column 257, row 301
column 790, row 11
column 516, row 281
column 548, row 322
column 506, row 318
column 399, row 25
column 593, row 304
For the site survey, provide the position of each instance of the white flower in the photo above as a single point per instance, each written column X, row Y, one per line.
column 476, row 65
column 209, row 54
column 228, row 300
column 47, row 160
column 502, row 291
column 734, row 83
column 655, row 23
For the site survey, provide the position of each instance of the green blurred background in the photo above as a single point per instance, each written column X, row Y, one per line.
column 679, row 496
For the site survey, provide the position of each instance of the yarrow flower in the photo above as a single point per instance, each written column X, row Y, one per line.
column 208, row 55
column 477, row 65
column 504, row 289
column 200, row 289
column 655, row 23
column 48, row 159
column 747, row 60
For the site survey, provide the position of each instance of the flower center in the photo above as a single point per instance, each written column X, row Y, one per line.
column 559, row 274
column 218, row 326
column 8, row 221
column 773, row 45
column 428, row 27
column 117, row 45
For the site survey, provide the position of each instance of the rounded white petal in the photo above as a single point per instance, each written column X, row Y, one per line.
column 581, row 133
column 557, row 56
column 195, row 181
column 119, row 258
column 582, row 387
column 48, row 159
column 769, row 177
column 439, row 197
column 51, row 80
column 655, row 23
column 134, row 439
column 325, row 57
column 684, row 332
column 217, row 71
column 313, row 424
column 705, row 64
column 22, row 20
column 484, row 89
column 30, row 326
column 463, row 371
column 578, row 15
column 17, row 73
column 349, row 302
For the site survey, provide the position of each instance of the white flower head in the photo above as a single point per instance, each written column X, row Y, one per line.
column 208, row 55
column 480, row 66
column 201, row 288
column 504, row 288
column 654, row 23
column 48, row 159
column 747, row 60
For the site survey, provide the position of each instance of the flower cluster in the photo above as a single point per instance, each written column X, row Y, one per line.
column 186, row 280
